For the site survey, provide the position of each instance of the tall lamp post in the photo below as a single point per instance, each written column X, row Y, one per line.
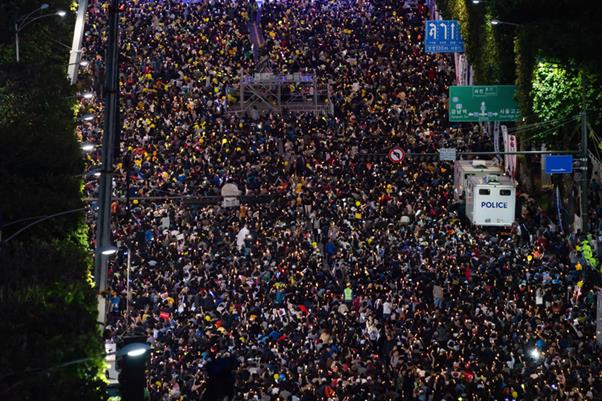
column 110, row 136
column 27, row 19
column 105, row 249
column 127, row 287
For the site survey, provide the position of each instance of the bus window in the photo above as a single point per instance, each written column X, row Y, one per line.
column 505, row 192
column 484, row 191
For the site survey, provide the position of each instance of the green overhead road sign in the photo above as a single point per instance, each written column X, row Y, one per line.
column 482, row 103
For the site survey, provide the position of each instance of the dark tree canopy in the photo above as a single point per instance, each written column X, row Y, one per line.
column 46, row 299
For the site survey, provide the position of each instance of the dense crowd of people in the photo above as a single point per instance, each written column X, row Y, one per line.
column 356, row 278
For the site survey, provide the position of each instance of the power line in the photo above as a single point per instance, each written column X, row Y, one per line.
column 543, row 133
column 557, row 122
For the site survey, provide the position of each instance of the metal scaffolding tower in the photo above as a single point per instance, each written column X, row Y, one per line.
column 274, row 93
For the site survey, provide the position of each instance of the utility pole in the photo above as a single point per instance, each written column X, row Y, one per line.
column 17, row 41
column 584, row 198
column 103, row 225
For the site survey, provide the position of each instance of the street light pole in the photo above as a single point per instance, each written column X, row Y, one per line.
column 17, row 40
column 23, row 21
column 127, row 289
column 38, row 221
column 111, row 101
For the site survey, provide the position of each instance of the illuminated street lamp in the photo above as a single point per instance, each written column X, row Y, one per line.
column 108, row 250
column 131, row 360
column 133, row 350
column 496, row 21
column 87, row 147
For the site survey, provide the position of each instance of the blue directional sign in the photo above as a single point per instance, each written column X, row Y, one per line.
column 558, row 164
column 443, row 36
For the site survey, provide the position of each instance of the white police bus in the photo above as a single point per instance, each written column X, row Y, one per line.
column 491, row 200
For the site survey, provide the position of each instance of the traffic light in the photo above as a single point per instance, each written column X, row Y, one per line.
column 131, row 361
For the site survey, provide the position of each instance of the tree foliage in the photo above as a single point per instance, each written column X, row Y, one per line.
column 49, row 318
column 556, row 91
column 560, row 92
column 47, row 304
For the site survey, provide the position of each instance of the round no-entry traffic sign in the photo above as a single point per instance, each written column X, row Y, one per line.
column 396, row 154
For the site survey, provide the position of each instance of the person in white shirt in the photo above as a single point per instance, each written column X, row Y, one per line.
column 387, row 309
